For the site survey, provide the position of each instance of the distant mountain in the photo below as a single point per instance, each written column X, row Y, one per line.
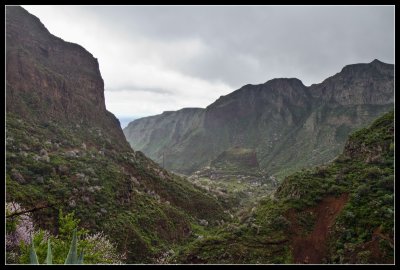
column 65, row 151
column 289, row 125
column 339, row 213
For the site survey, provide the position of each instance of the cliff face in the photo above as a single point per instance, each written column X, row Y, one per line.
column 358, row 84
column 64, row 150
column 49, row 79
column 288, row 124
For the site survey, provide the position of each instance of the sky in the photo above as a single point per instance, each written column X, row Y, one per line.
column 162, row 58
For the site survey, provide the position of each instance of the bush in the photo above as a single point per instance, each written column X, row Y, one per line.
column 96, row 247
column 334, row 190
column 362, row 190
column 280, row 222
column 387, row 182
column 372, row 172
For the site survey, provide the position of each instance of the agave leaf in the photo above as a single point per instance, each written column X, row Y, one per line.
column 32, row 255
column 72, row 257
column 80, row 259
column 49, row 258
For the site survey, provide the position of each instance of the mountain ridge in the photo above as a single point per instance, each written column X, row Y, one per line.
column 268, row 116
column 66, row 153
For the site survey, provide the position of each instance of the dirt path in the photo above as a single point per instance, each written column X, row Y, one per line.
column 312, row 248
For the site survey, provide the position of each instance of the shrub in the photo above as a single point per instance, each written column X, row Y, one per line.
column 56, row 248
column 362, row 190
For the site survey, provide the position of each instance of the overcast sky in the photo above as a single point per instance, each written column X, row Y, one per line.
column 158, row 58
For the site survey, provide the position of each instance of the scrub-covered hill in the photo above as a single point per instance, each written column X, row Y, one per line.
column 65, row 151
column 342, row 212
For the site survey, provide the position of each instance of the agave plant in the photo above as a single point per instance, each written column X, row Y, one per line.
column 49, row 257
column 32, row 254
column 72, row 257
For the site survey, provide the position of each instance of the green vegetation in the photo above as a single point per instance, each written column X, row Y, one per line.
column 78, row 169
column 236, row 160
column 362, row 232
column 64, row 249
column 65, row 153
column 154, row 216
column 72, row 257
column 302, row 132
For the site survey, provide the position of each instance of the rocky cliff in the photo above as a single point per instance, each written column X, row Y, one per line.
column 48, row 79
column 288, row 124
column 358, row 84
column 65, row 151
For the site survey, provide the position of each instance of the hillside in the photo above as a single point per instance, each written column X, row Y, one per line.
column 65, row 151
column 280, row 173
column 342, row 212
column 290, row 126
column 235, row 179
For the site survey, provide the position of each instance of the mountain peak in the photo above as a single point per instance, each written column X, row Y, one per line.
column 285, row 81
column 363, row 67
column 375, row 61
column 358, row 84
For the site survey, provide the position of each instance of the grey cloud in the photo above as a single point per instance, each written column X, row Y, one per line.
column 246, row 44
column 139, row 89
column 238, row 45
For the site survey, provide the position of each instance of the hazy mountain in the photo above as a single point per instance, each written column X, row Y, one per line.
column 287, row 124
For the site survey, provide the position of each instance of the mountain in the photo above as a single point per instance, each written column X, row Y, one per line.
column 45, row 78
column 339, row 213
column 289, row 125
column 65, row 151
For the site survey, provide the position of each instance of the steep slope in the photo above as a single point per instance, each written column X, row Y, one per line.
column 64, row 150
column 339, row 213
column 170, row 135
column 288, row 124
column 45, row 77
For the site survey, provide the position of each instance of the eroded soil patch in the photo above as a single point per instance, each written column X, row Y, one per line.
column 311, row 248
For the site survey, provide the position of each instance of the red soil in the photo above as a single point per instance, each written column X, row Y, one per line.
column 373, row 246
column 312, row 248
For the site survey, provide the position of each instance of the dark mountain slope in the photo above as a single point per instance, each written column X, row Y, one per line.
column 288, row 124
column 64, row 150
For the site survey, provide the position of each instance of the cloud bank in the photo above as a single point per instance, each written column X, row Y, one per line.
column 158, row 58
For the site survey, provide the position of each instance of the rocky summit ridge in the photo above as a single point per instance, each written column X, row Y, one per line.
column 289, row 125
